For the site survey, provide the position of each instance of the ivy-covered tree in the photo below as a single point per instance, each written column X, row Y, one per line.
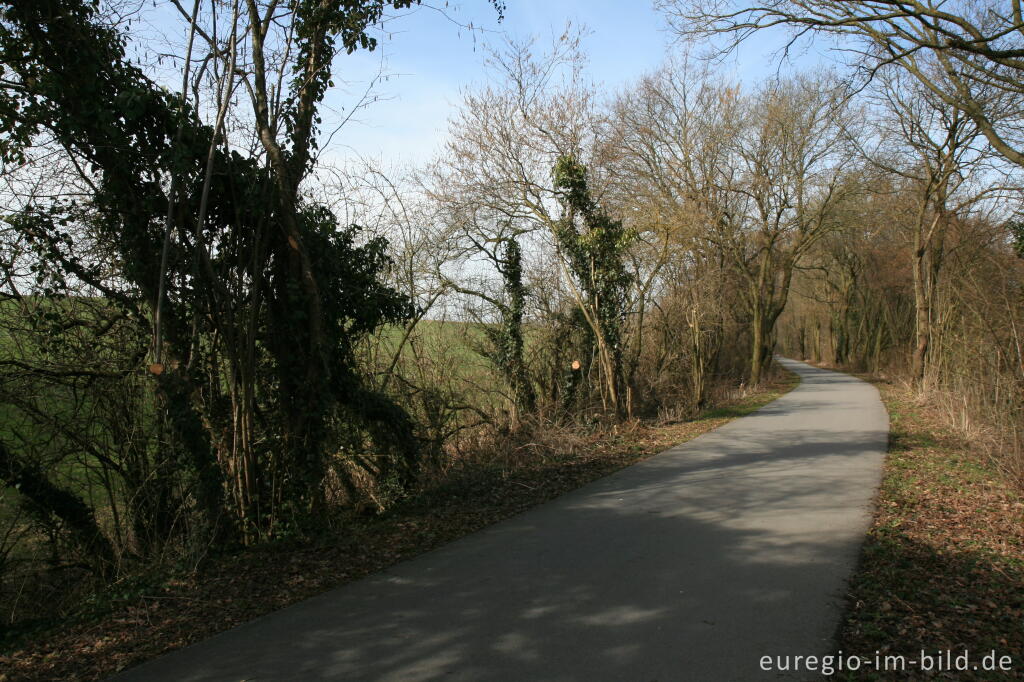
column 592, row 246
column 262, row 295
column 1016, row 230
column 506, row 338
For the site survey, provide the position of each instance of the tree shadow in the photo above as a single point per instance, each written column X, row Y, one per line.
column 644, row 575
column 908, row 597
column 690, row 565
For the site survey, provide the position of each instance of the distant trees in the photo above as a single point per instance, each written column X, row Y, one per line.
column 859, row 300
column 756, row 177
column 794, row 170
column 930, row 173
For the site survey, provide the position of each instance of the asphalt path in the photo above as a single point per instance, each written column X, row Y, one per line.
column 691, row 565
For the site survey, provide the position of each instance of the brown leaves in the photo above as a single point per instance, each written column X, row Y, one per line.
column 943, row 566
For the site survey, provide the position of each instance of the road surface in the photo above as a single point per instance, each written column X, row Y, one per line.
column 691, row 565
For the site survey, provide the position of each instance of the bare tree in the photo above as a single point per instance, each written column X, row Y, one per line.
column 669, row 148
column 759, row 174
column 499, row 183
column 977, row 44
column 943, row 176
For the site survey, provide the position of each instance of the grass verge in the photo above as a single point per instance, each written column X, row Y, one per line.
column 149, row 618
column 942, row 569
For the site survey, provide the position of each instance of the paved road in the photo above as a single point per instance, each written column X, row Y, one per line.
column 689, row 566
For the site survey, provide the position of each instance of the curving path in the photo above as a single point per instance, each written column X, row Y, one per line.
column 689, row 566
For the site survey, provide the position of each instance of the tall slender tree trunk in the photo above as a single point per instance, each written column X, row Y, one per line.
column 757, row 346
column 922, row 319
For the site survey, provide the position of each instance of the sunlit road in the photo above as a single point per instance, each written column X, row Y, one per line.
column 689, row 566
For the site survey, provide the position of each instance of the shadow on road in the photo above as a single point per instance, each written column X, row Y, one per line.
column 690, row 565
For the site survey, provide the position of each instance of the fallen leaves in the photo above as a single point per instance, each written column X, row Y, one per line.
column 943, row 565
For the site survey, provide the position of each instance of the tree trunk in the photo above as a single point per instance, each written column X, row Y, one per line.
column 757, row 347
column 48, row 502
column 922, row 315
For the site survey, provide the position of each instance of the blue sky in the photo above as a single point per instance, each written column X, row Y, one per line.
column 431, row 59
column 431, row 56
